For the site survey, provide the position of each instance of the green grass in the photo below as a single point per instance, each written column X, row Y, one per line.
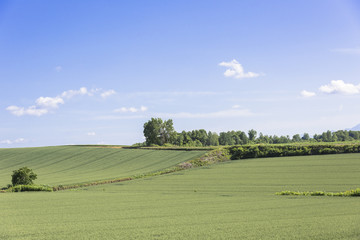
column 232, row 200
column 74, row 164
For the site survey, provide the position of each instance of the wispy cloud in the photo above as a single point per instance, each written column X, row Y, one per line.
column 44, row 105
column 32, row 110
column 7, row 141
column 230, row 113
column 220, row 114
column 307, row 94
column 347, row 50
column 73, row 93
column 91, row 134
column 177, row 94
column 131, row 109
column 107, row 93
column 236, row 70
column 340, row 87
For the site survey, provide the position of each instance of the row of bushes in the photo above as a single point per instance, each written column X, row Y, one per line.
column 260, row 151
column 350, row 193
column 29, row 188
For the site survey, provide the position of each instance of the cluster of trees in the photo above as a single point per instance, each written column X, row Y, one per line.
column 159, row 132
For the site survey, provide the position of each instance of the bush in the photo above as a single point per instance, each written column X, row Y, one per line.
column 23, row 176
column 30, row 188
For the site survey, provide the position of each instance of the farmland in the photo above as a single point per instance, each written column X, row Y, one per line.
column 74, row 164
column 232, row 200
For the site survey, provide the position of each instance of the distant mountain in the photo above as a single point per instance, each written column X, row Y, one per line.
column 356, row 128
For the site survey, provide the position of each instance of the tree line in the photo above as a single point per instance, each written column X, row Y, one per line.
column 160, row 132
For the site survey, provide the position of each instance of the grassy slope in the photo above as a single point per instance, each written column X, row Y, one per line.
column 70, row 164
column 234, row 200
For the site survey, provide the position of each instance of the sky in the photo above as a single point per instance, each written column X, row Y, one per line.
column 93, row 72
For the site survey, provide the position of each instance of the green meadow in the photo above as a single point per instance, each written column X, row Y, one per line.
column 75, row 164
column 231, row 200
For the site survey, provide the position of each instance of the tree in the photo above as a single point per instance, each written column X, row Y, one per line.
column 296, row 138
column 213, row 139
column 305, row 137
column 156, row 131
column 252, row 135
column 23, row 176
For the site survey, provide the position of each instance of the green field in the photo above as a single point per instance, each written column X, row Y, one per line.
column 74, row 164
column 233, row 200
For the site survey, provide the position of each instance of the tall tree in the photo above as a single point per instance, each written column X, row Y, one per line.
column 156, row 131
column 252, row 135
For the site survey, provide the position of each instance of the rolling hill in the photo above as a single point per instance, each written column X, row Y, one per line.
column 78, row 164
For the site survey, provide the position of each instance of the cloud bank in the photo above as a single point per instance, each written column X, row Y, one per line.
column 44, row 105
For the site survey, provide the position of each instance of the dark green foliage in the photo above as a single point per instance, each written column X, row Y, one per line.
column 159, row 132
column 252, row 135
column 258, row 151
column 23, row 176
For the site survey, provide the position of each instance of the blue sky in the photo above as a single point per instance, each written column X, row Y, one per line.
column 88, row 72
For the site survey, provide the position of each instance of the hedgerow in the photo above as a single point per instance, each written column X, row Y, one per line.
column 260, row 151
column 350, row 193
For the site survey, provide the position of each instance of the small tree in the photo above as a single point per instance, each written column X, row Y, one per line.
column 23, row 176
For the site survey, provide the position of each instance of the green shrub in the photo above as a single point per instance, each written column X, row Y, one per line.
column 30, row 188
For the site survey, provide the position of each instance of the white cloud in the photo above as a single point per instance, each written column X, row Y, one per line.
column 348, row 50
column 49, row 102
column 72, row 93
column 58, row 68
column 339, row 86
column 236, row 106
column 307, row 94
column 45, row 105
column 91, row 133
column 131, row 109
column 236, row 70
column 7, row 141
column 32, row 110
column 107, row 93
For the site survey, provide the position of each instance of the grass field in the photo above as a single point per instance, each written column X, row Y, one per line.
column 233, row 200
column 75, row 164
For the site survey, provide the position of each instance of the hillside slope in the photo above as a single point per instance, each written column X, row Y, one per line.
column 74, row 164
column 233, row 200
